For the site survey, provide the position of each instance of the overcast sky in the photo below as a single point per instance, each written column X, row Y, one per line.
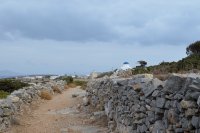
column 80, row 36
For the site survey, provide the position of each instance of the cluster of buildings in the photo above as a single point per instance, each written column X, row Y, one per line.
column 37, row 78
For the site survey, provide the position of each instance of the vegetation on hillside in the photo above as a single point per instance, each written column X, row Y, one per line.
column 103, row 74
column 3, row 94
column 73, row 82
column 68, row 79
column 193, row 48
column 9, row 85
column 77, row 82
column 191, row 62
column 81, row 83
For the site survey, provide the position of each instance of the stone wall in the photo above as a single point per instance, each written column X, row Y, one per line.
column 14, row 103
column 143, row 104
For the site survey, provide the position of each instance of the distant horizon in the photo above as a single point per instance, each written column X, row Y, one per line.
column 83, row 73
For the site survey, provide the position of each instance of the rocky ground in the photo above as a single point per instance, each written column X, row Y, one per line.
column 63, row 114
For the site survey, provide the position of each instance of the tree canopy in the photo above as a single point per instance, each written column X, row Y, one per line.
column 193, row 48
column 142, row 63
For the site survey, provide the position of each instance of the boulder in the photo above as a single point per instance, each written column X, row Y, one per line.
column 13, row 98
column 198, row 101
column 184, row 123
column 148, row 88
column 1, row 112
column 188, row 104
column 195, row 121
column 174, row 83
column 75, row 95
column 160, row 102
column 194, row 87
column 85, row 101
column 149, row 76
column 172, row 116
column 7, row 112
column 155, row 93
column 190, row 112
column 158, row 127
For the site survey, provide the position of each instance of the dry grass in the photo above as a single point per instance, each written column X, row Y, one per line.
column 66, row 86
column 161, row 77
column 137, row 87
column 76, row 83
column 56, row 89
column 81, row 83
column 45, row 95
column 72, row 85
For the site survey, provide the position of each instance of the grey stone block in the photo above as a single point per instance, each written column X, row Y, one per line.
column 160, row 102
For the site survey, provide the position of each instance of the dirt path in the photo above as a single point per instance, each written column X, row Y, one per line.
column 58, row 115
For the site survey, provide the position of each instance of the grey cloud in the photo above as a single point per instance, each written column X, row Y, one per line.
column 51, row 22
column 125, row 21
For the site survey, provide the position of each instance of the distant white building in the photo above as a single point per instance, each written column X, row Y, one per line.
column 125, row 66
column 39, row 77
column 54, row 77
column 29, row 78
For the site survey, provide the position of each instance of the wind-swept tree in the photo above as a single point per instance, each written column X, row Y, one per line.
column 193, row 48
column 142, row 63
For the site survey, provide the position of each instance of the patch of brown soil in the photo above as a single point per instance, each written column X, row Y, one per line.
column 57, row 116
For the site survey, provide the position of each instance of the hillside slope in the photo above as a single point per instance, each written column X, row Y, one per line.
column 189, row 63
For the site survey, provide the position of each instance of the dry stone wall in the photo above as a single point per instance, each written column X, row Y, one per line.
column 143, row 104
column 15, row 102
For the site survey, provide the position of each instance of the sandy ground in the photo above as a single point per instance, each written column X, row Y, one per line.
column 58, row 115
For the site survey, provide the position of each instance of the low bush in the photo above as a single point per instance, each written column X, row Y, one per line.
column 68, row 79
column 3, row 94
column 76, row 83
column 10, row 85
column 105, row 74
column 71, row 85
column 56, row 89
column 140, row 71
column 162, row 77
column 66, row 86
column 45, row 95
column 81, row 83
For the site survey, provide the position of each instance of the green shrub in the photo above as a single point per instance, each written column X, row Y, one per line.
column 9, row 85
column 3, row 94
column 68, row 79
column 191, row 62
column 81, row 83
column 105, row 74
column 140, row 70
